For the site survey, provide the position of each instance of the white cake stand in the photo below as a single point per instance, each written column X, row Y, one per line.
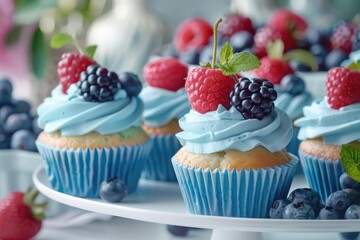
column 159, row 202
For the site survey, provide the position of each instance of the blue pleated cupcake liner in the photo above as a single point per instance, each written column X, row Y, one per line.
column 158, row 165
column 293, row 148
column 237, row 193
column 322, row 174
column 80, row 172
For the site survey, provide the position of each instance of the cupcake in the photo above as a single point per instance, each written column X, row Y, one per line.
column 233, row 162
column 165, row 101
column 327, row 124
column 91, row 129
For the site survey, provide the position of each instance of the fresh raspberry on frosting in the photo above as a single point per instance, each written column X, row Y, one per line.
column 273, row 69
column 208, row 88
column 342, row 87
column 167, row 73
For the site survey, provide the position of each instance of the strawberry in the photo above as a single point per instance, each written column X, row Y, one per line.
column 71, row 64
column 342, row 85
column 288, row 20
column 273, row 69
column 167, row 73
column 342, row 36
column 233, row 23
column 210, row 85
column 192, row 34
column 268, row 34
column 20, row 217
column 69, row 68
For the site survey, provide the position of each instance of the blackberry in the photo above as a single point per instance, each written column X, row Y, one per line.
column 97, row 84
column 253, row 97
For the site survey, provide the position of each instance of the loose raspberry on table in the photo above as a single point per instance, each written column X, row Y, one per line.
column 253, row 97
column 342, row 87
column 166, row 73
column 207, row 88
column 288, row 20
column 69, row 68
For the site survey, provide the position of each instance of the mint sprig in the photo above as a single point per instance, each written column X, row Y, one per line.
column 350, row 159
column 354, row 66
column 62, row 39
column 229, row 62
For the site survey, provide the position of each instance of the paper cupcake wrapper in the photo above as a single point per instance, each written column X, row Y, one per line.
column 243, row 193
column 79, row 172
column 293, row 146
column 158, row 165
column 322, row 174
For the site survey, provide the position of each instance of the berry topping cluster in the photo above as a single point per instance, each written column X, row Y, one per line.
column 95, row 83
column 253, row 97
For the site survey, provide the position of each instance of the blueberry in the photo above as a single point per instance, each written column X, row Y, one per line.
column 335, row 58
column 354, row 195
column 113, row 190
column 330, row 213
column 5, row 112
column 190, row 57
column 314, row 36
column 318, row 51
column 241, row 40
column 349, row 235
column 298, row 210
column 206, row 54
column 22, row 106
column 4, row 139
column 347, row 182
column 339, row 200
column 277, row 208
column 131, row 83
column 298, row 66
column 178, row 230
column 352, row 212
column 17, row 121
column 6, row 89
column 35, row 127
column 167, row 51
column 292, row 84
column 306, row 195
column 24, row 140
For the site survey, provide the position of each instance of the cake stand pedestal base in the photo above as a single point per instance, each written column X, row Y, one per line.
column 218, row 234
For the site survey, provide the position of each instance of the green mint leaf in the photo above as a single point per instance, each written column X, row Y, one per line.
column 242, row 62
column 353, row 66
column 90, row 51
column 39, row 54
column 60, row 40
column 226, row 53
column 227, row 69
column 302, row 56
column 350, row 159
column 275, row 49
column 205, row 64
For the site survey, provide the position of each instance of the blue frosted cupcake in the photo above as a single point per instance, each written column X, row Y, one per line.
column 233, row 161
column 90, row 136
column 165, row 101
column 322, row 131
column 292, row 97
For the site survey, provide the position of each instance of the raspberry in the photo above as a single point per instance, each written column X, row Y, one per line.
column 70, row 67
column 253, row 97
column 287, row 20
column 193, row 34
column 342, row 87
column 166, row 73
column 233, row 23
column 97, row 84
column 273, row 69
column 267, row 34
column 342, row 35
column 208, row 88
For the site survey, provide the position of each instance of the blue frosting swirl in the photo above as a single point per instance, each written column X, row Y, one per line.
column 74, row 116
column 336, row 126
column 293, row 105
column 161, row 105
column 227, row 129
